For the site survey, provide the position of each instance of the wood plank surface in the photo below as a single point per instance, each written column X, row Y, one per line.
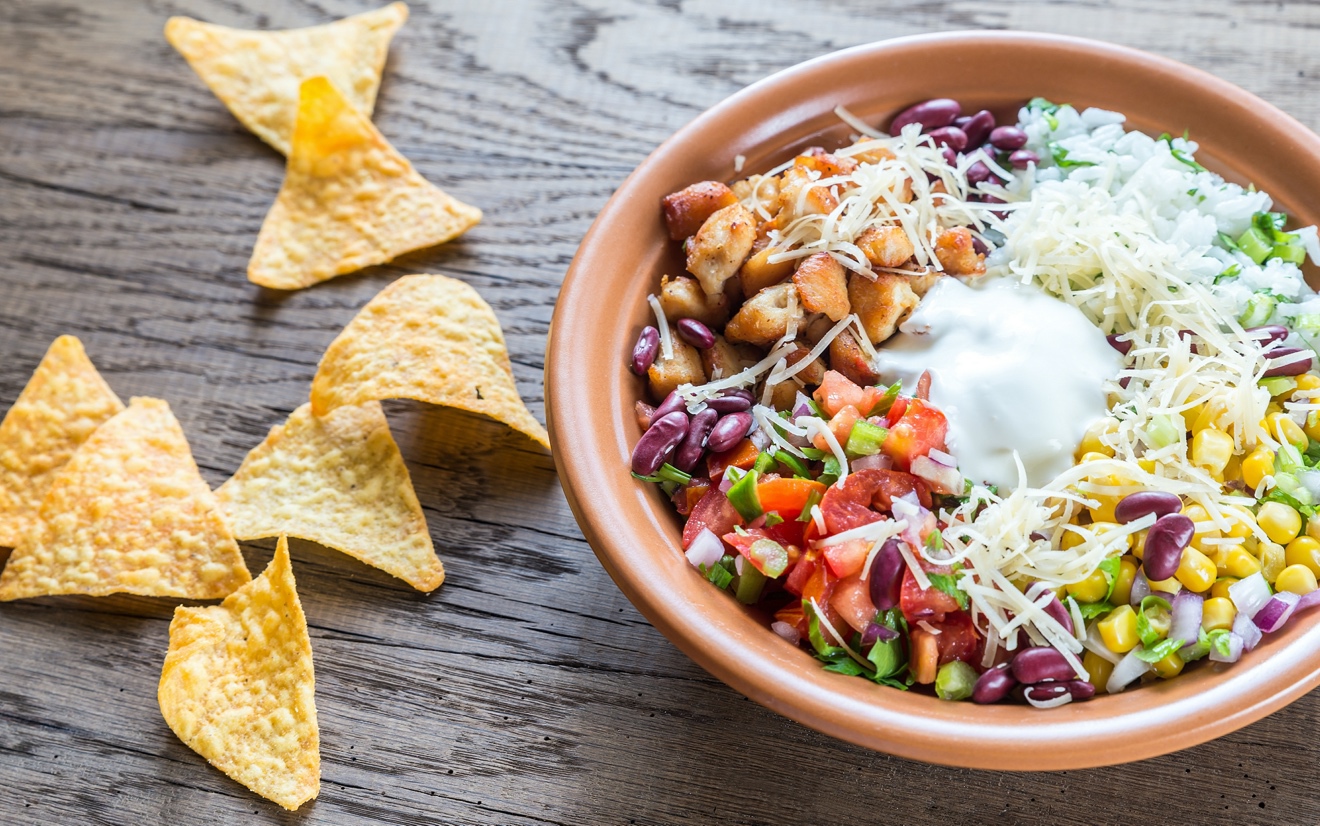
column 526, row 690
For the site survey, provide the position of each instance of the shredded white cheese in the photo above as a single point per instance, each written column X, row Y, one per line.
column 662, row 324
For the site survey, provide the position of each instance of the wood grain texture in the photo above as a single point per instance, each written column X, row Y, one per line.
column 526, row 690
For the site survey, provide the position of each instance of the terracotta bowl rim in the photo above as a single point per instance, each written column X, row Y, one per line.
column 590, row 452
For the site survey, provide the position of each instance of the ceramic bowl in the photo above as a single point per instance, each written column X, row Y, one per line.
column 590, row 392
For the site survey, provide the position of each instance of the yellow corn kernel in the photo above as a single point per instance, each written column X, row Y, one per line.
column 1093, row 442
column 1218, row 612
column 1280, row 522
column 1147, row 465
column 1099, row 668
column 1237, row 563
column 1295, row 578
column 1308, row 381
column 1196, row 571
column 1094, row 456
column 1312, row 426
column 1169, row 667
column 1220, row 589
column 1139, row 544
column 1272, row 408
column 1091, row 589
column 1233, row 470
column 1304, row 550
column 1209, row 415
column 1258, row 464
column 1168, row 586
column 1282, row 427
column 1211, row 449
column 1241, row 522
column 1119, row 630
column 1271, row 560
column 1127, row 574
column 1205, row 529
column 1071, row 539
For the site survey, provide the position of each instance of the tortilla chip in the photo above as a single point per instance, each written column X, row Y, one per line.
column 237, row 686
column 349, row 200
column 339, row 481
column 256, row 74
column 64, row 401
column 429, row 338
column 129, row 513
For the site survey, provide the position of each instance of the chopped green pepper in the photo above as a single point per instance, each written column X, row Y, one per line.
column 743, row 495
column 865, row 439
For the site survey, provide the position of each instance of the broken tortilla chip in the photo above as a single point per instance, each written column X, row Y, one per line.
column 349, row 200
column 237, row 686
column 63, row 402
column 129, row 513
column 429, row 338
column 339, row 481
column 257, row 74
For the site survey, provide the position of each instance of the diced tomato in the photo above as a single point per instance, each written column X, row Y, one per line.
column 920, row 428
column 893, row 484
column 848, row 506
column 712, row 511
column 687, row 497
column 896, row 411
column 847, row 558
column 930, row 604
column 841, row 425
column 787, row 495
column 741, row 455
column 852, row 599
column 871, row 396
column 837, row 391
column 791, row 613
column 958, row 638
column 820, row 585
column 801, row 572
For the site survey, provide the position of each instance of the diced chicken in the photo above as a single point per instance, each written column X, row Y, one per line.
column 720, row 247
column 848, row 358
column 826, row 164
column 881, row 304
column 813, row 373
column 687, row 209
column 921, row 284
column 783, row 394
column 684, row 368
column 874, row 154
column 957, row 255
column 764, row 317
column 799, row 196
column 757, row 272
column 885, row 246
column 724, row 358
column 682, row 297
column 764, row 187
column 822, row 285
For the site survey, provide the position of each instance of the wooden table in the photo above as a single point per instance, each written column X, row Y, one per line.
column 526, row 690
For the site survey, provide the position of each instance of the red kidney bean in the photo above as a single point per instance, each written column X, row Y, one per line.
column 979, row 246
column 1268, row 334
column 658, row 442
column 671, row 403
column 1008, row 138
column 950, row 157
column 931, row 114
column 694, row 444
column 729, row 431
column 887, row 575
column 977, row 128
column 993, row 685
column 1037, row 665
column 951, row 137
column 1165, row 542
column 644, row 351
column 1290, row 364
column 1061, row 616
column 978, row 173
column 731, row 401
column 695, row 333
column 1023, row 158
column 1079, row 689
column 1123, row 347
column 1136, row 505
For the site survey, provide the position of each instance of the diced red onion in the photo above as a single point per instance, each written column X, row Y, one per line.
column 706, row 549
column 875, row 632
column 942, row 478
column 1276, row 612
column 1128, row 669
column 942, row 458
column 1186, row 611
column 1308, row 601
column 877, row 462
column 1247, row 630
column 759, row 438
column 1235, row 649
column 1250, row 594
column 787, row 631
column 726, row 481
column 802, row 405
column 1140, row 589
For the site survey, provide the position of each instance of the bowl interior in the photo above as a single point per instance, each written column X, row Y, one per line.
column 590, row 391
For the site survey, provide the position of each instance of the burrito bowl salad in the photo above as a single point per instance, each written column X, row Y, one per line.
column 1011, row 412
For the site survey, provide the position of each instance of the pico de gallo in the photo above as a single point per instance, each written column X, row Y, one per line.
column 1170, row 522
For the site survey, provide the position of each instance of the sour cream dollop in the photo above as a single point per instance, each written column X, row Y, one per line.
column 1013, row 368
